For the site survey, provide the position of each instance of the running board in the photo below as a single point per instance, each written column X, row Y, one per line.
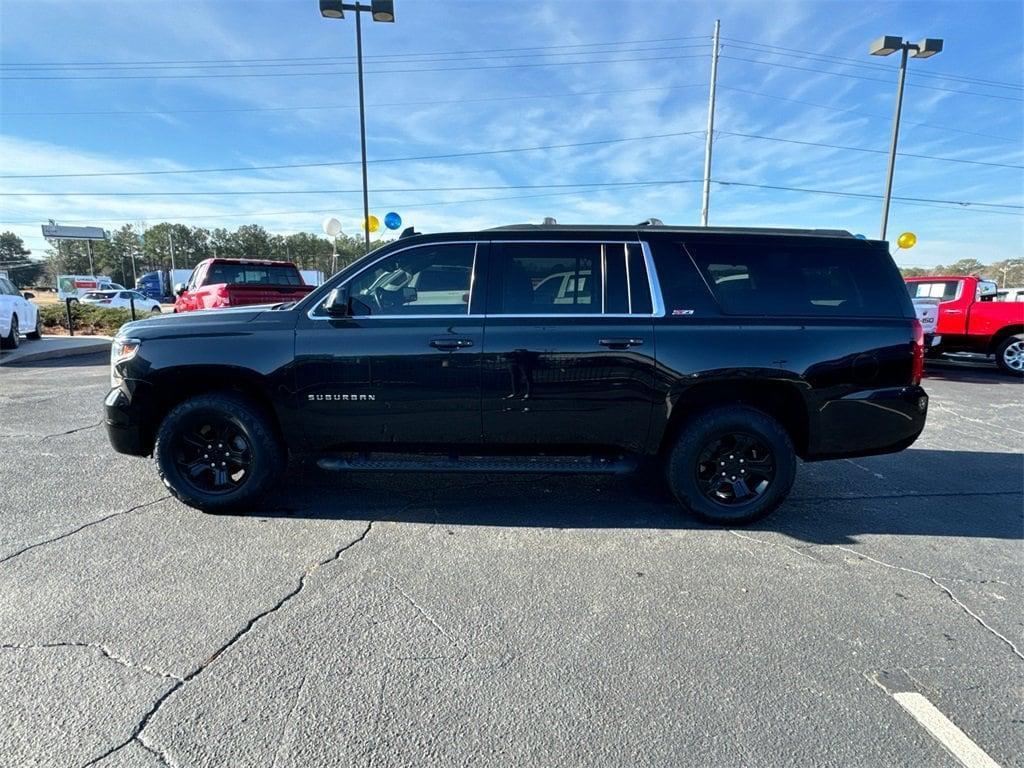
column 565, row 465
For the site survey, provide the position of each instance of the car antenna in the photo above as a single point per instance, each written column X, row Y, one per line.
column 651, row 222
column 408, row 232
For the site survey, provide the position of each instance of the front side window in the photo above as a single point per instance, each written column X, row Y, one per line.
column 427, row 280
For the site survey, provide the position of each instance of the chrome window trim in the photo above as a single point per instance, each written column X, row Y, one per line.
column 629, row 281
column 472, row 277
column 657, row 303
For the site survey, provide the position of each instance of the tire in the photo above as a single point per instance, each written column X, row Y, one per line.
column 36, row 334
column 13, row 338
column 155, row 308
column 181, row 462
column 1010, row 355
column 723, row 433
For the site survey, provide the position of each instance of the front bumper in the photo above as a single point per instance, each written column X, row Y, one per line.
column 123, row 419
column 869, row 422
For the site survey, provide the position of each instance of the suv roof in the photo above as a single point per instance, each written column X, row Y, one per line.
column 667, row 228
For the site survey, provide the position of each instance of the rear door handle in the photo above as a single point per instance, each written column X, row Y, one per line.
column 449, row 344
column 620, row 343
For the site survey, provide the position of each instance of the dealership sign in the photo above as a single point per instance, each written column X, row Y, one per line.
column 59, row 232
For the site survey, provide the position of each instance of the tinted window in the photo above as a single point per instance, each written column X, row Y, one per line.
column 682, row 288
column 639, row 286
column 616, row 297
column 548, row 278
column 800, row 281
column 944, row 290
column 429, row 280
column 252, row 274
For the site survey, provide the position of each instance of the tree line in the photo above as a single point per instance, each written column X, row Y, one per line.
column 134, row 250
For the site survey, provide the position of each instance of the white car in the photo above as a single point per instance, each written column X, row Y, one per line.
column 18, row 315
column 121, row 300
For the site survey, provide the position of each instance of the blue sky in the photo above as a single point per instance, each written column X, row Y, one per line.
column 482, row 75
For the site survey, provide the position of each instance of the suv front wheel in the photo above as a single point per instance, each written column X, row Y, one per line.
column 218, row 452
column 732, row 465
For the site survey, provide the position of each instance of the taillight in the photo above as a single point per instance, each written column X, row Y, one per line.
column 917, row 370
column 224, row 296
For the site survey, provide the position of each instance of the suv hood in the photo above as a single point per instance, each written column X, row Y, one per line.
column 201, row 320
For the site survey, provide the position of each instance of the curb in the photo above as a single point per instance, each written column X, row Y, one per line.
column 89, row 345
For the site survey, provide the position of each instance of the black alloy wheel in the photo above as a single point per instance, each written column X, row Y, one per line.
column 213, row 454
column 735, row 469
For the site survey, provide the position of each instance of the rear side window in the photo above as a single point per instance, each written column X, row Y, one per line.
column 943, row 290
column 799, row 281
column 549, row 278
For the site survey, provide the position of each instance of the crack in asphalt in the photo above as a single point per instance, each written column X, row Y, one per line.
column 776, row 544
column 72, row 431
column 232, row 641
column 963, row 606
column 83, row 527
column 103, row 649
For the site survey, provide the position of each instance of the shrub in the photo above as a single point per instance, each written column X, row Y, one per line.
column 89, row 319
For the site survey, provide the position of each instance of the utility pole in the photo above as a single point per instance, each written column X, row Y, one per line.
column 170, row 242
column 88, row 250
column 706, row 196
column 362, row 127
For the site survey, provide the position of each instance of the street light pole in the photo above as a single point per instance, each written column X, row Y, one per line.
column 895, row 140
column 379, row 10
column 884, row 46
column 362, row 128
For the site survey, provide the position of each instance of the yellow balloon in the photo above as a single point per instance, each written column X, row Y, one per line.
column 906, row 240
column 373, row 223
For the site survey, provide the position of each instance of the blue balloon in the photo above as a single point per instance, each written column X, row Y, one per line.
column 392, row 221
column 860, row 237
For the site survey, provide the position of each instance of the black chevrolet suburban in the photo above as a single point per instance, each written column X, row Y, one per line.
column 720, row 354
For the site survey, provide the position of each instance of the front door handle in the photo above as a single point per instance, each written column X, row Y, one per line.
column 449, row 344
column 620, row 343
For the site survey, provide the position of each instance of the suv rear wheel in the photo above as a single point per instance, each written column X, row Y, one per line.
column 218, row 453
column 732, row 465
column 1010, row 355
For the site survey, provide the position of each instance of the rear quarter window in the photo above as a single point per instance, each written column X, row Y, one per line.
column 822, row 280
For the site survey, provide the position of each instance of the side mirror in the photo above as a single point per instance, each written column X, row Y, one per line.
column 28, row 295
column 179, row 288
column 338, row 303
column 987, row 288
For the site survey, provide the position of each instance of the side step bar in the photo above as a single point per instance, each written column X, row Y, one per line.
column 566, row 465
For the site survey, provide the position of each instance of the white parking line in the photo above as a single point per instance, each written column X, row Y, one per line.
column 944, row 730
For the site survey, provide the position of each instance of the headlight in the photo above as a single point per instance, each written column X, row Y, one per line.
column 121, row 350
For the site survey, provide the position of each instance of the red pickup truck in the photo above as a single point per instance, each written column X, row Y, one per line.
column 216, row 283
column 970, row 320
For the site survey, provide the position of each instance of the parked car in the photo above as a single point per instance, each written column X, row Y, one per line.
column 970, row 320
column 121, row 300
column 73, row 286
column 217, row 283
column 17, row 315
column 720, row 354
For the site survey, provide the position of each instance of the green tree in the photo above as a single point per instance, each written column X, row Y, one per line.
column 1009, row 272
column 965, row 267
column 15, row 260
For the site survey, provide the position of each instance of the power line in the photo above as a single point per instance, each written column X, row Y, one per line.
column 873, row 79
column 861, row 113
column 368, row 57
column 450, row 155
column 505, row 56
column 340, row 72
column 581, row 186
column 356, row 106
column 865, row 195
column 878, row 66
column 866, row 149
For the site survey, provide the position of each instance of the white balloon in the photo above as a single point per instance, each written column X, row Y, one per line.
column 332, row 226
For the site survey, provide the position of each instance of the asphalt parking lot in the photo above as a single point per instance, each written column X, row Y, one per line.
column 451, row 620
